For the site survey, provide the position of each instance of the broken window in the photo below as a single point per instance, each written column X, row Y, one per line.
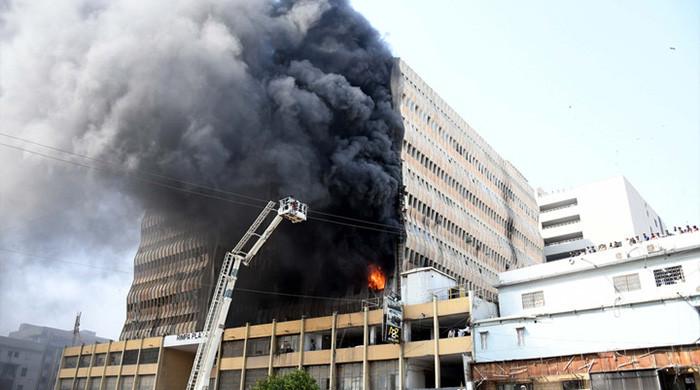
column 533, row 299
column 625, row 283
column 668, row 276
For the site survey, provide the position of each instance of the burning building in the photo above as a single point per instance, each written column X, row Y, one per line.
column 305, row 99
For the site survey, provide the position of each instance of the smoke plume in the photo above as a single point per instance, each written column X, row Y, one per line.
column 264, row 98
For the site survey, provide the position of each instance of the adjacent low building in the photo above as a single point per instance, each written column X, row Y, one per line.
column 341, row 351
column 591, row 215
column 626, row 317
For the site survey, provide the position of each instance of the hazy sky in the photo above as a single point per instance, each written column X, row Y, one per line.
column 568, row 91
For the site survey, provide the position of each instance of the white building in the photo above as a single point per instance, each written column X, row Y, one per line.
column 632, row 297
column 593, row 214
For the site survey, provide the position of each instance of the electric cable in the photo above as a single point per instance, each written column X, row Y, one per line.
column 200, row 193
column 170, row 178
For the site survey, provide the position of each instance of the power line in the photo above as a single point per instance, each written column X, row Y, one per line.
column 170, row 178
column 64, row 261
column 297, row 295
column 263, row 292
column 193, row 192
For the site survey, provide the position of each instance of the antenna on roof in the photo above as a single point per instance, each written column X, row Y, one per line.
column 76, row 328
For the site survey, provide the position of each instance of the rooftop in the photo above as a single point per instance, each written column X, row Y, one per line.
column 609, row 257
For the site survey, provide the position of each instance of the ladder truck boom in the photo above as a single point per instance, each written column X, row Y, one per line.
column 290, row 209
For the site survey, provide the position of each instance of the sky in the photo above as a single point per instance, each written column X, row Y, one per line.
column 569, row 92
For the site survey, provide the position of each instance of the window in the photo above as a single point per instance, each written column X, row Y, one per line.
column 65, row 384
column 146, row 382
column 228, row 379
column 70, row 362
column 24, row 371
column 110, row 383
column 533, row 299
column 349, row 376
column 84, row 361
column 94, row 383
column 130, row 357
column 320, row 375
column 625, row 283
column 521, row 336
column 126, row 383
column 258, row 347
column 115, row 358
column 99, row 359
column 232, row 348
column 80, row 383
column 483, row 337
column 149, row 355
column 669, row 276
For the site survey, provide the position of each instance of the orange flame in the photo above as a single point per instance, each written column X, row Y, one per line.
column 376, row 280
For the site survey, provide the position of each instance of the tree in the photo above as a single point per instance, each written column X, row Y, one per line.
column 297, row 380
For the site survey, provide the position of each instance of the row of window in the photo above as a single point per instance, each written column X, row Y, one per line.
column 432, row 215
column 143, row 382
column 383, row 375
column 665, row 276
column 444, row 250
column 114, row 358
column 182, row 323
column 506, row 223
column 504, row 188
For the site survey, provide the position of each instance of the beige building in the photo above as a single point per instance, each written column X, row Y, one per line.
column 341, row 351
column 174, row 269
column 468, row 211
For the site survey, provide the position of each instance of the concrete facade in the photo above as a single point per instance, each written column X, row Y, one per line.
column 175, row 268
column 641, row 296
column 346, row 354
column 468, row 212
column 634, row 307
column 592, row 214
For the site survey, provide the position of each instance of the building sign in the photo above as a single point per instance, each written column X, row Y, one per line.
column 183, row 339
column 393, row 319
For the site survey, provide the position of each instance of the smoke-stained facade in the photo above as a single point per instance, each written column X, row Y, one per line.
column 468, row 212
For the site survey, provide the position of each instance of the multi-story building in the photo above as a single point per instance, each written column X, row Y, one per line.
column 30, row 356
column 174, row 269
column 340, row 351
column 593, row 214
column 468, row 212
column 623, row 318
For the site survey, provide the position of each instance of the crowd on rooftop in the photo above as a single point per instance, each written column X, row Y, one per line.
column 636, row 239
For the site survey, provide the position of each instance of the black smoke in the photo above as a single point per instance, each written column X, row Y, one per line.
column 262, row 98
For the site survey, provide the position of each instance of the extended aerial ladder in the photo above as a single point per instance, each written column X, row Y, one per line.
column 290, row 209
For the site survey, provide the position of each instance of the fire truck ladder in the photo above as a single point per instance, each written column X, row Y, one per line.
column 289, row 208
